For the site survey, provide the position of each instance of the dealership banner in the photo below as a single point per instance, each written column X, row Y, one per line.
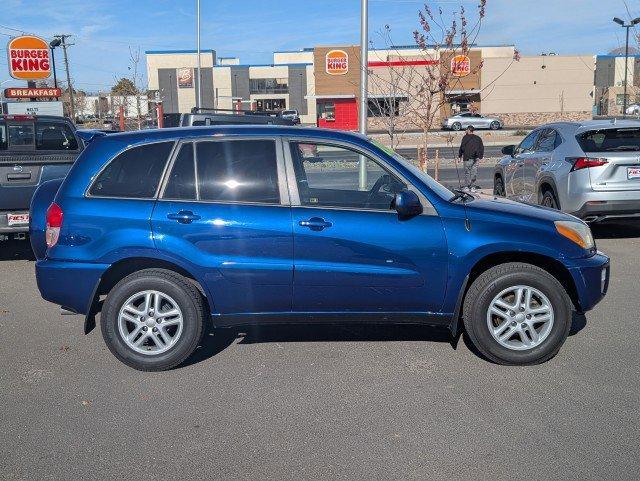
column 28, row 58
column 185, row 78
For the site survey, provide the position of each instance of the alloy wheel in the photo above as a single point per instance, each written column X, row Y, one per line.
column 520, row 317
column 150, row 322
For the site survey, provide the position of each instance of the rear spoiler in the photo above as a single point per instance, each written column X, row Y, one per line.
column 87, row 135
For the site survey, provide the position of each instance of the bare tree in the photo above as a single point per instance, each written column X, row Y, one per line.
column 129, row 86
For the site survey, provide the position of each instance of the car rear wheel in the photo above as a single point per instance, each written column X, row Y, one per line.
column 548, row 199
column 517, row 314
column 153, row 320
column 498, row 187
column 456, row 126
column 494, row 125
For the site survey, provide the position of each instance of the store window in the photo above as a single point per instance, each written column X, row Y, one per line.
column 384, row 106
column 269, row 85
column 327, row 111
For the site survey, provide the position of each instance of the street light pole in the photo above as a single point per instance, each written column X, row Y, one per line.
column 199, row 92
column 63, row 42
column 627, row 26
column 364, row 71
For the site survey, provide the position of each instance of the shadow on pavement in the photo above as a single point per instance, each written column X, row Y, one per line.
column 16, row 250
column 620, row 229
column 218, row 340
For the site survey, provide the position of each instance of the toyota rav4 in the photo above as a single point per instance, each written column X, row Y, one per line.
column 172, row 231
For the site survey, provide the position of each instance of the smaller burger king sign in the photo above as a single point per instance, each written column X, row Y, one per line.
column 337, row 62
column 460, row 66
column 28, row 58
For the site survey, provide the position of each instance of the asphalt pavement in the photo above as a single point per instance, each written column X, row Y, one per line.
column 320, row 402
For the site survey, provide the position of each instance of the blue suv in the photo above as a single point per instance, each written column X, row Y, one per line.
column 167, row 232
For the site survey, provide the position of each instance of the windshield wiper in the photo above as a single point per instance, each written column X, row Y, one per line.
column 461, row 194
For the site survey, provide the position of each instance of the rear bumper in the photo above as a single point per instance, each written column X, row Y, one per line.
column 591, row 278
column 605, row 209
column 69, row 284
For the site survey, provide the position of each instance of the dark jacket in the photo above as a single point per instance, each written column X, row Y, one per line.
column 471, row 147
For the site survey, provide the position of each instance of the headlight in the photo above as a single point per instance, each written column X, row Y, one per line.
column 577, row 232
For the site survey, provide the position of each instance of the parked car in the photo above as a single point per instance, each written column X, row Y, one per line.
column 590, row 169
column 465, row 119
column 33, row 149
column 291, row 115
column 169, row 231
column 200, row 117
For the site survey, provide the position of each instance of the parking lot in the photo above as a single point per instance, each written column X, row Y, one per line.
column 305, row 402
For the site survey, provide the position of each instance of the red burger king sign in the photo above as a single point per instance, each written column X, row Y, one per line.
column 28, row 58
column 460, row 66
column 337, row 62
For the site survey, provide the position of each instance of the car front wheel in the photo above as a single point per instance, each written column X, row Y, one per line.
column 152, row 320
column 494, row 125
column 517, row 314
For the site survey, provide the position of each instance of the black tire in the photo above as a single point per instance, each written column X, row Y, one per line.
column 185, row 294
column 549, row 199
column 495, row 125
column 456, row 126
column 488, row 285
column 498, row 186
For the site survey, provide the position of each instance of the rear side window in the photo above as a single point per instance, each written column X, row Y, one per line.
column 135, row 173
column 547, row 141
column 182, row 180
column 610, row 140
column 238, row 171
column 55, row 136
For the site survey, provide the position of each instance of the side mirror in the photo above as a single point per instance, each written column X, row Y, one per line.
column 407, row 204
column 509, row 150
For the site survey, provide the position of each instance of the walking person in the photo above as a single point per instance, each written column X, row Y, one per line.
column 471, row 151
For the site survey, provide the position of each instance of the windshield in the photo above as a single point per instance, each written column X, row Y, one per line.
column 429, row 181
column 610, row 140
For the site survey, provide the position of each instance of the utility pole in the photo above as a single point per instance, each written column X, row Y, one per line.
column 63, row 39
column 627, row 26
column 364, row 71
column 199, row 92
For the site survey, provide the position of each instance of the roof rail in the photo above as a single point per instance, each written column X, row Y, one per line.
column 198, row 110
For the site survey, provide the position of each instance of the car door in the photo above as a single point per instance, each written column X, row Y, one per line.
column 521, row 157
column 224, row 208
column 536, row 162
column 464, row 119
column 478, row 121
column 352, row 251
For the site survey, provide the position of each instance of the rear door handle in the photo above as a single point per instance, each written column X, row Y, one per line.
column 315, row 223
column 184, row 216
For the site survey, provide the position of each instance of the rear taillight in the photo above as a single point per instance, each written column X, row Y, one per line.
column 586, row 162
column 54, row 223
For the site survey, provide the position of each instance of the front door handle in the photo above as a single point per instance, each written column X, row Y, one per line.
column 315, row 223
column 184, row 217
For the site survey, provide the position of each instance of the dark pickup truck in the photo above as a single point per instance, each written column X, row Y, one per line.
column 33, row 150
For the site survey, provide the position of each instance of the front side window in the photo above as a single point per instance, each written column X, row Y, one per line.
column 238, row 171
column 528, row 143
column 135, row 173
column 329, row 176
column 55, row 136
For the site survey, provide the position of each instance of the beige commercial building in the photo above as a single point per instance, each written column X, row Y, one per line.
column 322, row 84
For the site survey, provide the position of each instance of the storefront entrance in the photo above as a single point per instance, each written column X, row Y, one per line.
column 341, row 114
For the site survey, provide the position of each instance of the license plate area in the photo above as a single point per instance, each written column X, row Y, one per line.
column 633, row 173
column 20, row 219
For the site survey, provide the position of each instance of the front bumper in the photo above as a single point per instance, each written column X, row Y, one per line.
column 591, row 278
column 608, row 209
column 69, row 284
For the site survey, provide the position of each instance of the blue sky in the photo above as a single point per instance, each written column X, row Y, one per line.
column 252, row 29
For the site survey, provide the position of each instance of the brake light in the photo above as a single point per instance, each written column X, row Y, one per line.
column 54, row 223
column 586, row 162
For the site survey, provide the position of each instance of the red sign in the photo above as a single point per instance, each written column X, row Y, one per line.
column 28, row 93
column 337, row 62
column 460, row 66
column 28, row 58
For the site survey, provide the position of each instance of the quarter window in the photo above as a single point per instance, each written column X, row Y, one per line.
column 238, row 171
column 135, row 173
column 329, row 176
column 182, row 180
